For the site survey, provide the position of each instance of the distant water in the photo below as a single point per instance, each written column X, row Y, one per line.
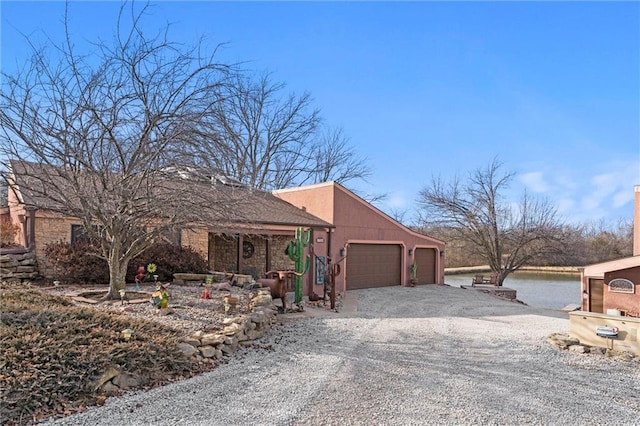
column 542, row 290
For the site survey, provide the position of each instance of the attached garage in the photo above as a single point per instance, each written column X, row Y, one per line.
column 425, row 259
column 373, row 265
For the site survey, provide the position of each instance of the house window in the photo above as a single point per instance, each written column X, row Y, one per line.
column 78, row 233
column 174, row 237
column 621, row 285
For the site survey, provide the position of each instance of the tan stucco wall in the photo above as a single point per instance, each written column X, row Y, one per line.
column 316, row 199
column 582, row 325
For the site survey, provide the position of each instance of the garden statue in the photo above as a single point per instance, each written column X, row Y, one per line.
column 205, row 292
column 160, row 297
column 139, row 276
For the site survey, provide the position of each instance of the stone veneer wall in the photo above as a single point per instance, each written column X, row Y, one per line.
column 198, row 239
column 50, row 229
column 224, row 253
column 280, row 261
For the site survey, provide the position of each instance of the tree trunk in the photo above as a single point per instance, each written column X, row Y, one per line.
column 117, row 276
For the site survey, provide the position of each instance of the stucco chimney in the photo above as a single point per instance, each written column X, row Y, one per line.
column 636, row 222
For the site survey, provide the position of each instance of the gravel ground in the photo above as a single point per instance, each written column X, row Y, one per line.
column 428, row 355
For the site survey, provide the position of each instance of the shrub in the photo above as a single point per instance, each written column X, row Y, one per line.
column 77, row 262
column 80, row 262
column 170, row 259
column 8, row 233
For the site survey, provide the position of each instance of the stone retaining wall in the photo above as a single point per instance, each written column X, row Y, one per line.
column 208, row 347
column 18, row 267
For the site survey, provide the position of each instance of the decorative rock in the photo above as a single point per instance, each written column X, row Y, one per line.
column 562, row 341
column 106, row 377
column 207, row 351
column 228, row 350
column 254, row 334
column 258, row 317
column 231, row 341
column 262, row 300
column 187, row 349
column 218, row 354
column 126, row 381
column 110, row 389
column 191, row 341
column 578, row 348
column 232, row 329
column 212, row 339
column 233, row 320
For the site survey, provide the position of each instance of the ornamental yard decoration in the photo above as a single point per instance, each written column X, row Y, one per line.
column 160, row 297
column 295, row 250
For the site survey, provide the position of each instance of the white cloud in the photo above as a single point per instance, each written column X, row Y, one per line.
column 397, row 200
column 582, row 196
column 534, row 181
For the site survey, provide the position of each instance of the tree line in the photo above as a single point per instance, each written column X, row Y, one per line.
column 586, row 244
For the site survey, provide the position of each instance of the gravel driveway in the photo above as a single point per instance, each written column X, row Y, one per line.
column 428, row 355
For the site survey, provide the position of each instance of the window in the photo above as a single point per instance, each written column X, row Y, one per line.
column 621, row 285
column 78, row 233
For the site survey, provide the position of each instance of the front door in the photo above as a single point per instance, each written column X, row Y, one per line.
column 596, row 291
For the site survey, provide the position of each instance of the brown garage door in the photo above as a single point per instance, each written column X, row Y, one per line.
column 373, row 265
column 426, row 261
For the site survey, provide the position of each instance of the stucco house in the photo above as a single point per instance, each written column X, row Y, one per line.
column 615, row 286
column 371, row 248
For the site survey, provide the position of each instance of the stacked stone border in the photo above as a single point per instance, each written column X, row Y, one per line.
column 208, row 347
column 18, row 267
column 572, row 344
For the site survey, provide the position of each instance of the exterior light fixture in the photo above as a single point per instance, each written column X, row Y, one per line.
column 342, row 252
column 126, row 334
column 410, row 252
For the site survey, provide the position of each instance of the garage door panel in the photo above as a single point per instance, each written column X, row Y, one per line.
column 425, row 259
column 373, row 265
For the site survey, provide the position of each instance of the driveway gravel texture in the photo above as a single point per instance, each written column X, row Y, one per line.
column 427, row 355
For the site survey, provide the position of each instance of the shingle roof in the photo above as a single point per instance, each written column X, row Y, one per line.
column 253, row 206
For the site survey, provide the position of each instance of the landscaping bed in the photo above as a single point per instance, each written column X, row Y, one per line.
column 64, row 348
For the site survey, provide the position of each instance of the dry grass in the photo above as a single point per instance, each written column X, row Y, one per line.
column 54, row 352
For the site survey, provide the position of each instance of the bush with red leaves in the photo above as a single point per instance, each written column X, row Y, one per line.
column 80, row 262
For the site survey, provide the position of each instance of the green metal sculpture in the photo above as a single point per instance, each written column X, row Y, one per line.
column 296, row 253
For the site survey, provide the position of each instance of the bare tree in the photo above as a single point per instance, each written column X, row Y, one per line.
column 505, row 235
column 106, row 137
column 265, row 135
column 268, row 139
column 333, row 158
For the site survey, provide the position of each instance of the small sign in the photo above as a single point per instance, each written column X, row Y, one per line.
column 319, row 240
column 609, row 332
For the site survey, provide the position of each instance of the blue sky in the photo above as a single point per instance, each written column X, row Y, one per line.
column 431, row 88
